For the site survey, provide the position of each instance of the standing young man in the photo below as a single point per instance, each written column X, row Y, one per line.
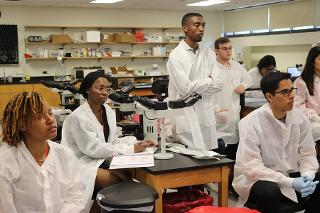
column 191, row 69
column 275, row 146
column 234, row 77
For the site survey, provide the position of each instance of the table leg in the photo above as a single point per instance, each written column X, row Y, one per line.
column 223, row 188
column 159, row 201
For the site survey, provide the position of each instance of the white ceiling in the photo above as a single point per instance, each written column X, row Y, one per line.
column 138, row 4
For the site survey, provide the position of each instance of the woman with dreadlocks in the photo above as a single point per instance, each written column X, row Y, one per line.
column 36, row 175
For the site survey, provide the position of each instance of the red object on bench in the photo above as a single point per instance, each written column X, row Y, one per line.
column 213, row 209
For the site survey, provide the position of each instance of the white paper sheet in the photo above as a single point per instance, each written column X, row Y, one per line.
column 135, row 160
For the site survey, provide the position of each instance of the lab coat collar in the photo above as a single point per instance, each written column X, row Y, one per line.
column 186, row 46
column 291, row 117
column 91, row 114
column 47, row 164
column 228, row 66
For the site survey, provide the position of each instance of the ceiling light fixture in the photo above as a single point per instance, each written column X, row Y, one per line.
column 207, row 3
column 105, row 1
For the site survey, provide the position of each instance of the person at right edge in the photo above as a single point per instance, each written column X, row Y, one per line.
column 191, row 69
column 276, row 158
column 308, row 95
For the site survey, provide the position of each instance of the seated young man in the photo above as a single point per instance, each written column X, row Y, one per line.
column 276, row 158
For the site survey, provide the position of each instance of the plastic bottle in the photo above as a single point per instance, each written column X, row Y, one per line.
column 27, row 76
column 60, row 72
column 4, row 77
column 10, row 78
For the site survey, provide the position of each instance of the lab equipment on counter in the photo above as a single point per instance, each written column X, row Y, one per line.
column 152, row 111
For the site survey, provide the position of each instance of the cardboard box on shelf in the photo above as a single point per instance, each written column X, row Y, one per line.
column 107, row 37
column 91, row 36
column 60, row 39
column 121, row 70
column 125, row 37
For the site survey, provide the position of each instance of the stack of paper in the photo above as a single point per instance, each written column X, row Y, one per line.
column 135, row 160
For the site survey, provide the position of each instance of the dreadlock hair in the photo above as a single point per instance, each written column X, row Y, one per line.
column 20, row 109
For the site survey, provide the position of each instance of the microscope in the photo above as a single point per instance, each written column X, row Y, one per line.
column 70, row 100
column 151, row 112
column 69, row 94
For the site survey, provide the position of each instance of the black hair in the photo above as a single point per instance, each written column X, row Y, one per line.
column 187, row 16
column 266, row 61
column 88, row 81
column 221, row 40
column 270, row 82
column 308, row 71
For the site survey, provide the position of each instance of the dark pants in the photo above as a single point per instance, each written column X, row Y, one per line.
column 231, row 151
column 221, row 147
column 267, row 197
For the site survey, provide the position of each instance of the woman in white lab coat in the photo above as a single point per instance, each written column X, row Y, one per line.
column 36, row 175
column 266, row 64
column 308, row 95
column 90, row 131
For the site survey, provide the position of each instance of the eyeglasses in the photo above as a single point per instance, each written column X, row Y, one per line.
column 104, row 89
column 225, row 48
column 287, row 92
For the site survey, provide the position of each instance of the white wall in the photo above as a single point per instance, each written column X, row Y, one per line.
column 288, row 49
column 58, row 16
column 286, row 55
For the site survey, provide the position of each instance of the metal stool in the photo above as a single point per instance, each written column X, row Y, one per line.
column 126, row 197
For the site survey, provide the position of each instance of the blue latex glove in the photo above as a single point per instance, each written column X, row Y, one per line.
column 307, row 177
column 300, row 183
column 309, row 189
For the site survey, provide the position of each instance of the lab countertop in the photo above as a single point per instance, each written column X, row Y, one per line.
column 33, row 79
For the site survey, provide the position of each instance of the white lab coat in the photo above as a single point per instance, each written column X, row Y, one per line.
column 83, row 134
column 26, row 187
column 309, row 105
column 194, row 72
column 270, row 149
column 253, row 81
column 227, row 121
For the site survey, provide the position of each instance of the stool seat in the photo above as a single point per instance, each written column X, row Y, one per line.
column 285, row 206
column 126, row 195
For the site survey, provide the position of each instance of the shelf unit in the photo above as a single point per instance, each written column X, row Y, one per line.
column 76, row 31
column 100, row 58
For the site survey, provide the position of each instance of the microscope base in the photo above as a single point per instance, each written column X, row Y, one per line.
column 163, row 156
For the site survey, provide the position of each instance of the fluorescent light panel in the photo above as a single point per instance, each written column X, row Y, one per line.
column 281, row 29
column 207, row 3
column 303, row 28
column 260, row 31
column 242, row 32
column 105, row 1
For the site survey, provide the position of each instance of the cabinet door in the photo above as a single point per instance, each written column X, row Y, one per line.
column 15, row 88
column 53, row 98
column 7, row 92
column 5, row 98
